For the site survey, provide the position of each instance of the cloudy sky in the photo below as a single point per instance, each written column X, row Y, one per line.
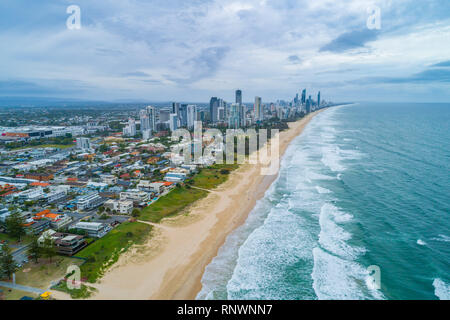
column 190, row 50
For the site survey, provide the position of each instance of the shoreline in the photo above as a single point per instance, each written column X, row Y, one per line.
column 184, row 245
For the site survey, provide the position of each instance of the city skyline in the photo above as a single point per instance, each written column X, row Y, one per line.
column 162, row 52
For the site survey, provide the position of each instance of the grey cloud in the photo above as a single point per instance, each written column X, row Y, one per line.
column 350, row 40
column 442, row 64
column 136, row 74
column 294, row 59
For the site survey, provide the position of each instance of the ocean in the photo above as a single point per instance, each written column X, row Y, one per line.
column 360, row 210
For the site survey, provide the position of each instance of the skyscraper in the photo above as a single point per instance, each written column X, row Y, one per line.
column 308, row 105
column 145, row 120
column 183, row 115
column 257, row 109
column 318, row 100
column 213, row 106
column 191, row 112
column 238, row 96
column 173, row 122
column 130, row 129
column 176, row 108
column 151, row 112
column 303, row 96
column 235, row 118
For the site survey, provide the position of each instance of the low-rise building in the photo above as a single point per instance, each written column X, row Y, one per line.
column 108, row 179
column 175, row 177
column 136, row 196
column 31, row 194
column 56, row 195
column 90, row 201
column 120, row 206
column 93, row 229
column 65, row 243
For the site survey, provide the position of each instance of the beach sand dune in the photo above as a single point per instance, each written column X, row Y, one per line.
column 171, row 264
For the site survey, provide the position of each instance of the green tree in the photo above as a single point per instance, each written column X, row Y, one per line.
column 135, row 213
column 7, row 264
column 49, row 250
column 35, row 250
column 14, row 226
column 103, row 148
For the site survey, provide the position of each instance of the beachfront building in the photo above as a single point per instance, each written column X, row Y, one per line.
column 120, row 206
column 175, row 177
column 137, row 196
column 65, row 243
column 93, row 229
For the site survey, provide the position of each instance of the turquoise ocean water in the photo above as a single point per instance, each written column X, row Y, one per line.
column 364, row 185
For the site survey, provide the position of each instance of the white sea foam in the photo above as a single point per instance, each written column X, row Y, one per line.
column 278, row 244
column 420, row 242
column 322, row 190
column 335, row 278
column 332, row 159
column 332, row 236
column 441, row 289
column 442, row 238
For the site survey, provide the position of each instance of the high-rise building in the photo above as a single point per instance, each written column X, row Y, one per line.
column 213, row 106
column 242, row 115
column 164, row 114
column 221, row 114
column 176, row 108
column 151, row 112
column 173, row 122
column 183, row 115
column 145, row 120
column 318, row 100
column 238, row 96
column 234, row 121
column 303, row 96
column 191, row 112
column 308, row 105
column 258, row 109
column 146, row 134
column 130, row 129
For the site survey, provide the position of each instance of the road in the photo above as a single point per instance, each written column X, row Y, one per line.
column 21, row 254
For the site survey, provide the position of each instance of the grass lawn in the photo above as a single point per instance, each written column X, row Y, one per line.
column 211, row 177
column 41, row 275
column 171, row 204
column 59, row 146
column 83, row 293
column 13, row 294
column 104, row 252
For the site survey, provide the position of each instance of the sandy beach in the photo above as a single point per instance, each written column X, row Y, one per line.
column 171, row 264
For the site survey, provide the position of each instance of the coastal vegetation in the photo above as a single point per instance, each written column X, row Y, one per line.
column 172, row 203
column 104, row 252
column 213, row 176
